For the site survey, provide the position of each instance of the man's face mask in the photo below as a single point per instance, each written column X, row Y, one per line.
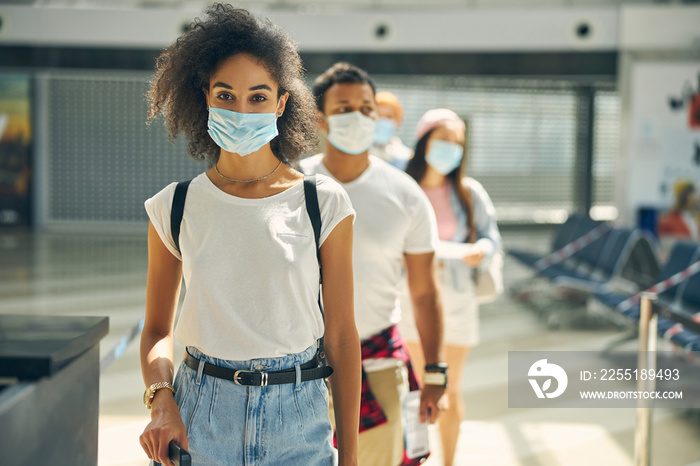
column 352, row 133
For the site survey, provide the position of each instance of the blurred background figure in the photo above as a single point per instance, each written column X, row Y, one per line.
column 387, row 144
column 682, row 220
column 469, row 238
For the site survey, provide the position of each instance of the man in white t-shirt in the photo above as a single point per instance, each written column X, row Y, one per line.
column 395, row 230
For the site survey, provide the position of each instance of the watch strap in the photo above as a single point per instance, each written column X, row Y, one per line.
column 441, row 366
column 150, row 392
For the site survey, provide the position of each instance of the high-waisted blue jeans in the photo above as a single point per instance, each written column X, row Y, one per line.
column 228, row 424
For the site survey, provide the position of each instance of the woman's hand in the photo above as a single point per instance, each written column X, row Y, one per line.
column 166, row 425
column 474, row 257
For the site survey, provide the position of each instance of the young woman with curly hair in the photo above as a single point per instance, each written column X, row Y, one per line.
column 250, row 390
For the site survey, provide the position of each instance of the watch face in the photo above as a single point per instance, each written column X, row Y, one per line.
column 435, row 378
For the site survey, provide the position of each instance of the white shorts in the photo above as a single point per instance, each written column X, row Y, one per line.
column 460, row 311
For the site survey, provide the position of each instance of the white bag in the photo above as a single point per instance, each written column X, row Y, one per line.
column 489, row 280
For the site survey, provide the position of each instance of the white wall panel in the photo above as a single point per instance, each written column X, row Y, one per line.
column 662, row 147
column 536, row 29
column 649, row 28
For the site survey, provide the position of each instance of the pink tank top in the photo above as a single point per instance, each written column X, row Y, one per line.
column 446, row 220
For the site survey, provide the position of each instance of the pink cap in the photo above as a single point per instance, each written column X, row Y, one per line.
column 438, row 117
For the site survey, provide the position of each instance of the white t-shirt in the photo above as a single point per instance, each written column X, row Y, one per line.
column 394, row 152
column 394, row 217
column 249, row 266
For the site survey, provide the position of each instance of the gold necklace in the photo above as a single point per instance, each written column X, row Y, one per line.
column 216, row 167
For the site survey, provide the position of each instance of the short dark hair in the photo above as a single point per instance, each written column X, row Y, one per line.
column 186, row 66
column 340, row 73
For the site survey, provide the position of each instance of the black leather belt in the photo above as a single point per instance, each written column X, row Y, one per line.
column 309, row 371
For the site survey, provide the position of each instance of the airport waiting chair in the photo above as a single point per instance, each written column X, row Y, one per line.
column 582, row 263
column 578, row 264
column 682, row 254
column 606, row 262
column 643, row 266
column 683, row 313
column 602, row 264
column 565, row 234
column 674, row 301
column 584, row 255
column 689, row 302
column 598, row 268
column 678, row 334
column 536, row 291
column 579, row 227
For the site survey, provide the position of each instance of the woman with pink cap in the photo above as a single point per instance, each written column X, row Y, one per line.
column 465, row 214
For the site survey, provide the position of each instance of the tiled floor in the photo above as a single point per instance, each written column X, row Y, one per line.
column 104, row 274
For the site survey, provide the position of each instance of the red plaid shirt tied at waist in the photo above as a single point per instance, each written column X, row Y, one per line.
column 386, row 344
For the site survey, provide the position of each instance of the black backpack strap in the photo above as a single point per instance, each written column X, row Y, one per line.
column 311, row 196
column 314, row 211
column 176, row 211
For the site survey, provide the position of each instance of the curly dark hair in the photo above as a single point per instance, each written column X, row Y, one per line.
column 186, row 66
column 340, row 73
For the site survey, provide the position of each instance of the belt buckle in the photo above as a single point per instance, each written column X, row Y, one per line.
column 263, row 377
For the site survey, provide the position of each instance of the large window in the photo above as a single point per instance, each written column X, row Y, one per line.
column 607, row 145
column 524, row 139
column 103, row 160
column 525, row 143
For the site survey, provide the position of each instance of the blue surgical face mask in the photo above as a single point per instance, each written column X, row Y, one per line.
column 444, row 156
column 241, row 133
column 386, row 129
column 352, row 132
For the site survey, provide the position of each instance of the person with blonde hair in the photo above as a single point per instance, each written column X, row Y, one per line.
column 387, row 145
column 682, row 220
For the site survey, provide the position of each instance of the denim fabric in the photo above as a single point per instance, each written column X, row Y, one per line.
column 229, row 424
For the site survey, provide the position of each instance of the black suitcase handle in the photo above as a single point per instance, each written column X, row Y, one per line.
column 178, row 455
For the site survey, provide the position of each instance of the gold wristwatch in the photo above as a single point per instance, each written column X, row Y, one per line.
column 151, row 392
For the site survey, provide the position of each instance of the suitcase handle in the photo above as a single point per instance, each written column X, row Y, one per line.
column 178, row 455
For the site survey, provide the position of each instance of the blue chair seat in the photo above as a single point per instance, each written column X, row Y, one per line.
column 557, row 270
column 574, row 226
column 524, row 257
column 611, row 300
column 686, row 339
